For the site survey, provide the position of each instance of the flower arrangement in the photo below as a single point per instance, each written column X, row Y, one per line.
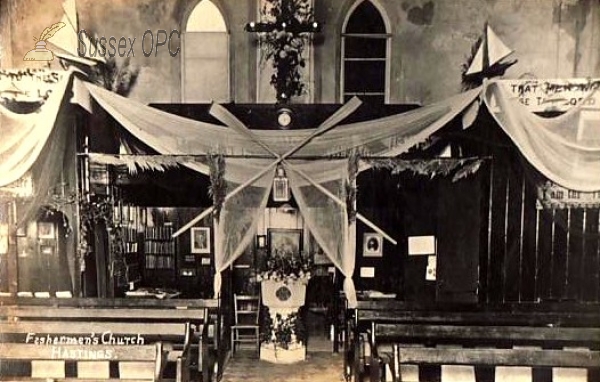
column 284, row 44
column 283, row 332
column 286, row 266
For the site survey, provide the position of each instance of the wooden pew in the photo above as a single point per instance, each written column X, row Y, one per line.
column 482, row 346
column 444, row 325
column 93, row 334
column 135, row 363
column 165, row 322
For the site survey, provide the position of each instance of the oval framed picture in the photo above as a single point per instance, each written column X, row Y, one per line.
column 372, row 245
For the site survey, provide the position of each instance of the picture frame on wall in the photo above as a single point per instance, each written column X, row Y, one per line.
column 200, row 239
column 372, row 245
column 285, row 241
column 281, row 190
column 45, row 230
column 261, row 241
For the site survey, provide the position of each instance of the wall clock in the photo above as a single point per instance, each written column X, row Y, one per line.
column 284, row 118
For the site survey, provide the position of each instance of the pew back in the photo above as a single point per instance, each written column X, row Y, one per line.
column 139, row 363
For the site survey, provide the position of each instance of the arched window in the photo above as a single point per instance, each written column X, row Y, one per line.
column 365, row 52
column 205, row 69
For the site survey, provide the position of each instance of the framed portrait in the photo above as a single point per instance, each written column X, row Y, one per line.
column 281, row 190
column 372, row 245
column 200, row 240
column 45, row 230
column 285, row 241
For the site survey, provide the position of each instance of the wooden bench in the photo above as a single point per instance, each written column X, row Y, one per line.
column 481, row 345
column 95, row 335
column 399, row 333
column 135, row 363
column 179, row 327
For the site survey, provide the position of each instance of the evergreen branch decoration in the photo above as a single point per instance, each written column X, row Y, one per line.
column 218, row 186
column 430, row 167
column 351, row 187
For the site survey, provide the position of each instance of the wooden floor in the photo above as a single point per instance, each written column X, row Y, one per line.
column 321, row 365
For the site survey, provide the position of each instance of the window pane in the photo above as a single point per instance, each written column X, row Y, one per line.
column 365, row 47
column 364, row 76
column 365, row 19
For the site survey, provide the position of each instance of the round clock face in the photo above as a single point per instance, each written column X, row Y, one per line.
column 283, row 293
column 284, row 119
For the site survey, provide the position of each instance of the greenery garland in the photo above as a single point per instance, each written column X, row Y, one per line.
column 218, row 186
column 430, row 167
column 351, row 186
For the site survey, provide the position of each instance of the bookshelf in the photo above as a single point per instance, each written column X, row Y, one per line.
column 131, row 255
column 159, row 255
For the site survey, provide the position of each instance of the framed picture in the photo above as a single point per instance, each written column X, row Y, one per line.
column 200, row 240
column 281, row 190
column 288, row 241
column 261, row 241
column 372, row 245
column 45, row 230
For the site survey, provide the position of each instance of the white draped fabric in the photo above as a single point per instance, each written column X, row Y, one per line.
column 25, row 135
column 317, row 185
column 566, row 149
column 236, row 226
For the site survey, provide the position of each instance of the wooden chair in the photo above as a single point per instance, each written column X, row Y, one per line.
column 246, row 325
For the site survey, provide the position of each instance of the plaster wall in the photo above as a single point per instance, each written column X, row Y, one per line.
column 430, row 40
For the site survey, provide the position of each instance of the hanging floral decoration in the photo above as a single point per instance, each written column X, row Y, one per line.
column 286, row 27
column 286, row 266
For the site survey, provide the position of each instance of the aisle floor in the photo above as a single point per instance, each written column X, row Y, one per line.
column 321, row 365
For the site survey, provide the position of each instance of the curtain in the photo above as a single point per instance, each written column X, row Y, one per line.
column 322, row 203
column 566, row 149
column 237, row 222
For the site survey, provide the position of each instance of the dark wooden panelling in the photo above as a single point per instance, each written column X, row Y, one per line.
column 590, row 272
column 575, row 254
column 529, row 244
column 559, row 250
column 544, row 254
column 498, row 238
column 485, row 230
column 459, row 219
column 514, row 204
